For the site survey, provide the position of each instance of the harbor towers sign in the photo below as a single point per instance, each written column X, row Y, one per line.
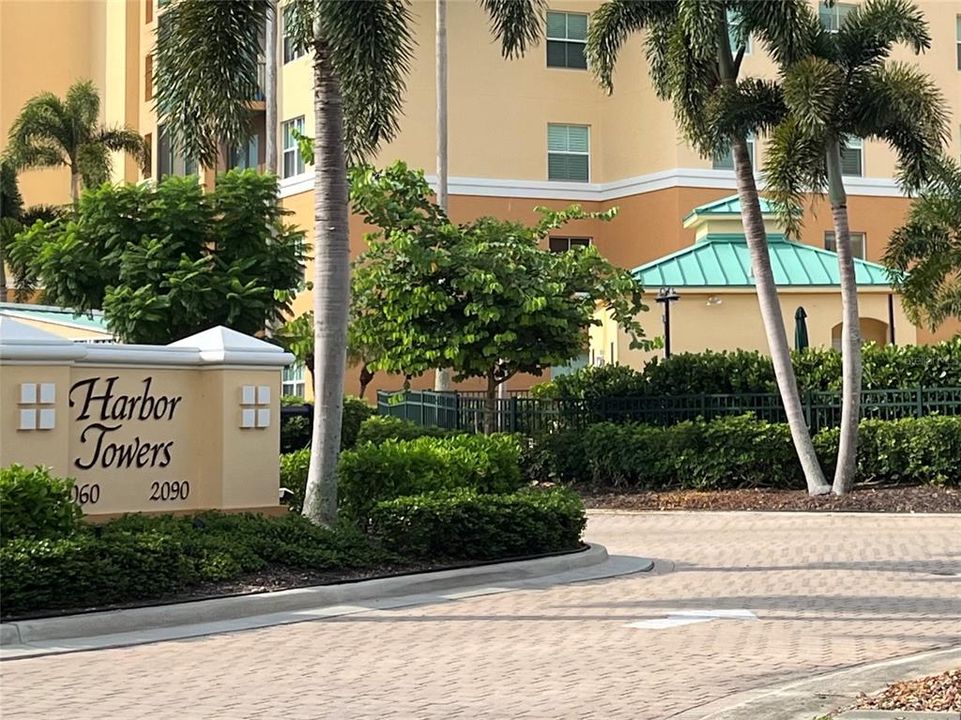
column 188, row 426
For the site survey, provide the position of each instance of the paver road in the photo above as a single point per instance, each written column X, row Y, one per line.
column 829, row 591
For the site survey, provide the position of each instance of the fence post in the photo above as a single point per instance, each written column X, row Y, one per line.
column 704, row 406
column 808, row 414
column 513, row 423
column 920, row 405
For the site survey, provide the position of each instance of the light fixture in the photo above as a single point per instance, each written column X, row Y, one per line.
column 714, row 300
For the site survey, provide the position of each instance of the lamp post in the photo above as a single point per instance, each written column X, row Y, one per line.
column 665, row 296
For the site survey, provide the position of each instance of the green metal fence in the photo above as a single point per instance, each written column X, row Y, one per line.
column 463, row 411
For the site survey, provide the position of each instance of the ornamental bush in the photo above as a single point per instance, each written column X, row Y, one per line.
column 370, row 473
column 35, row 504
column 466, row 525
column 379, row 428
column 739, row 452
column 295, row 430
column 741, row 371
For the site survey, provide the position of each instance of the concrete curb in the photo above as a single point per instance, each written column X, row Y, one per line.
column 897, row 715
column 822, row 694
column 147, row 624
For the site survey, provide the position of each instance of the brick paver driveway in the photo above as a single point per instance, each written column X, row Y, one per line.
column 830, row 591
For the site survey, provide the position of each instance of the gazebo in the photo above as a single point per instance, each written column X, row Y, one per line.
column 716, row 306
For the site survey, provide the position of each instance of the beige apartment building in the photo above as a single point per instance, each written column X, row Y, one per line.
column 523, row 133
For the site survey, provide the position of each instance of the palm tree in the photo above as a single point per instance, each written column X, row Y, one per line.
column 924, row 255
column 844, row 88
column 689, row 49
column 207, row 56
column 50, row 132
column 518, row 25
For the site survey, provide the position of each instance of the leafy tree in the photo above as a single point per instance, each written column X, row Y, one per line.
column 692, row 63
column 50, row 132
column 842, row 88
column 482, row 298
column 924, row 255
column 170, row 261
column 207, row 58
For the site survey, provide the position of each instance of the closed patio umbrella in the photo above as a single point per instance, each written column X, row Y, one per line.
column 800, row 329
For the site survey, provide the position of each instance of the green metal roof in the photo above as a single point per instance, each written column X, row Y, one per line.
column 723, row 261
column 62, row 316
column 728, row 206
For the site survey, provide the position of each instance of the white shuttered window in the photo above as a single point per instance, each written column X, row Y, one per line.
column 568, row 152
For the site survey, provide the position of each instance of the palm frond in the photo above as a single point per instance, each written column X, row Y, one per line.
column 517, row 24
column 788, row 29
column 902, row 105
column 370, row 47
column 126, row 140
column 753, row 106
column 699, row 19
column 206, row 76
column 40, row 129
column 93, row 161
column 812, row 88
column 82, row 108
column 614, row 21
column 870, row 31
column 795, row 164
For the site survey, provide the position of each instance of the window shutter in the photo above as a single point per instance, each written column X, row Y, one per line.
column 578, row 140
column 557, row 138
column 851, row 161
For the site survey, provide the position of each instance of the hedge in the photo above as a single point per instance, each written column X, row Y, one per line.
column 370, row 473
column 295, row 430
column 35, row 504
column 380, row 428
column 465, row 524
column 742, row 371
column 741, row 452
column 148, row 558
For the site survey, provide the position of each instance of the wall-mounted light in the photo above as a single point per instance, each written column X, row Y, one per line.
column 714, row 300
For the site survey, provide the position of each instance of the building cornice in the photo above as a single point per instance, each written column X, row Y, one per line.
column 603, row 192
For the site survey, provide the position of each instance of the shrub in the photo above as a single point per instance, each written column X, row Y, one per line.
column 356, row 411
column 142, row 557
column 293, row 476
column 467, row 525
column 741, row 371
column 379, row 428
column 370, row 473
column 294, row 433
column 36, row 504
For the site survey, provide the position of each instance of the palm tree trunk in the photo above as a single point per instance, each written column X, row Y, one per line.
column 270, row 89
column 331, row 287
column 74, row 185
column 850, row 330
column 3, row 273
column 767, row 298
column 442, row 377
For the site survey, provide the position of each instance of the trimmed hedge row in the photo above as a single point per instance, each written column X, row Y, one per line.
column 742, row 452
column 380, row 428
column 488, row 464
column 742, row 371
column 145, row 558
column 466, row 524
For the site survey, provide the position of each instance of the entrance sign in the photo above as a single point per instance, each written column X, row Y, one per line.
column 187, row 426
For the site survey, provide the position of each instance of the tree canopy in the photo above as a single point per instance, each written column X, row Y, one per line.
column 481, row 298
column 167, row 261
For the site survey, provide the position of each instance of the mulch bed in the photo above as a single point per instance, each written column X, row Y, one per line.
column 937, row 693
column 918, row 499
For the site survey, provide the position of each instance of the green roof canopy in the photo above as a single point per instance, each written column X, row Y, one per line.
column 720, row 260
column 729, row 206
column 62, row 316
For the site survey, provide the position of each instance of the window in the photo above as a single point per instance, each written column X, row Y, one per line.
column 563, row 244
column 852, row 157
column 246, row 157
column 958, row 20
column 733, row 20
column 568, row 152
column 725, row 161
column 148, row 161
column 293, row 162
column 148, row 9
column 148, row 78
column 291, row 51
column 293, row 380
column 169, row 161
column 566, row 39
column 832, row 18
column 857, row 243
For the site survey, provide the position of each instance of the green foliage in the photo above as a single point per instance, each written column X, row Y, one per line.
column 467, row 525
column 36, row 505
column 739, row 452
column 371, row 473
column 167, row 261
column 139, row 557
column 378, row 428
column 53, row 132
column 924, row 255
column 295, row 433
column 482, row 299
column 296, row 336
column 293, row 476
column 715, row 373
column 356, row 413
